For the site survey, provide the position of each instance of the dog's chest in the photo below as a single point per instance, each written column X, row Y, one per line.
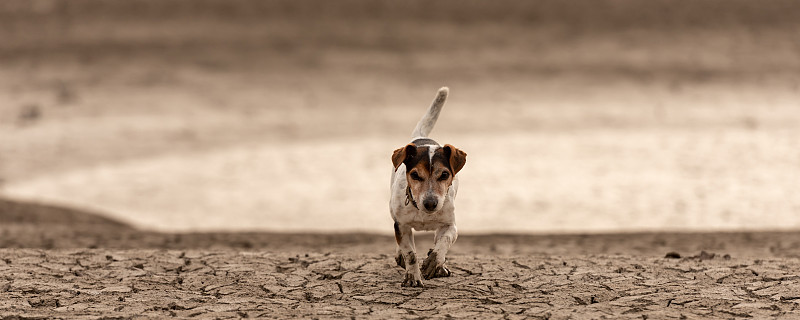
column 421, row 220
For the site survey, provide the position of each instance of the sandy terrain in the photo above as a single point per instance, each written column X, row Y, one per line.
column 30, row 225
column 61, row 262
column 234, row 284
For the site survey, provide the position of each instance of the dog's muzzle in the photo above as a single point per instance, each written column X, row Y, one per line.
column 430, row 203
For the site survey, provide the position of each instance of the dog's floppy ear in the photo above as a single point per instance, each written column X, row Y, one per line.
column 400, row 155
column 457, row 157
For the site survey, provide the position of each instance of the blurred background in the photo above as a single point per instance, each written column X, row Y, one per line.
column 239, row 115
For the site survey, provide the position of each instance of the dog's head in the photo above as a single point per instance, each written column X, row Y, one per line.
column 429, row 171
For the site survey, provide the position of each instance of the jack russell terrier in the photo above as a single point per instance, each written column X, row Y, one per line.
column 424, row 186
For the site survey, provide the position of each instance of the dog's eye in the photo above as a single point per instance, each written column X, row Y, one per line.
column 444, row 176
column 415, row 176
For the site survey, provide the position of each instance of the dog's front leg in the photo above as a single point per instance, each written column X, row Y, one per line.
column 408, row 254
column 433, row 267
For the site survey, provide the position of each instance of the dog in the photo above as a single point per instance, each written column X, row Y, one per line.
column 423, row 187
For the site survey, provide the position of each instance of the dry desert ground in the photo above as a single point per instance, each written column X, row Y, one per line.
column 62, row 263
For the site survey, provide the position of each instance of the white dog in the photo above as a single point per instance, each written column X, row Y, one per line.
column 424, row 186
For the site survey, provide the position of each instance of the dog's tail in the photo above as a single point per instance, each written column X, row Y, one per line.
column 425, row 125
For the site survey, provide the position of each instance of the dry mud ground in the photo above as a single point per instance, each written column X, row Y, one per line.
column 62, row 263
column 232, row 284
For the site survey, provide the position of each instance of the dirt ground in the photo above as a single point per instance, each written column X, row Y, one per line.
column 235, row 284
column 64, row 263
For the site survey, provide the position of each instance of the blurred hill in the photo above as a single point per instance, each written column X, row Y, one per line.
column 160, row 69
column 587, row 115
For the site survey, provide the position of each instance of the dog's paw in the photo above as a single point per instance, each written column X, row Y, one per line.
column 432, row 268
column 412, row 281
column 436, row 272
column 400, row 261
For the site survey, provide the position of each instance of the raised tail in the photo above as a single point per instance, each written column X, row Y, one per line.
column 425, row 125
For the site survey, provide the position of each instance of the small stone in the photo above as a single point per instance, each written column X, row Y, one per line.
column 672, row 255
column 706, row 256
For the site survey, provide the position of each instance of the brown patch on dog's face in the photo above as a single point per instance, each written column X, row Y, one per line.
column 429, row 174
column 399, row 156
column 455, row 157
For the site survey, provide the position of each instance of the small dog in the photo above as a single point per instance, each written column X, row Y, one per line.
column 424, row 186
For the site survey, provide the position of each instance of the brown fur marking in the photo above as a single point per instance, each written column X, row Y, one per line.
column 401, row 155
column 400, row 261
column 430, row 172
column 397, row 235
column 457, row 158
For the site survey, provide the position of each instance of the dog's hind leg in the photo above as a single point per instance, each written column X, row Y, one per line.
column 434, row 267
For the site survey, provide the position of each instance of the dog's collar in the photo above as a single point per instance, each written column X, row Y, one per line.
column 410, row 198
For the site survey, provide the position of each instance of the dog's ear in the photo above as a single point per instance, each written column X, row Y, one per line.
column 457, row 157
column 400, row 155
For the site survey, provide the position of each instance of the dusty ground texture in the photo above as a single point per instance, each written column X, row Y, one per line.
column 233, row 284
column 60, row 262
column 42, row 226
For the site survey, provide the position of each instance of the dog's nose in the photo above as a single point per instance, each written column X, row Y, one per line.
column 430, row 203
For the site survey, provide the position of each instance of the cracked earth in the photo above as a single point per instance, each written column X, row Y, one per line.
column 90, row 283
column 61, row 263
